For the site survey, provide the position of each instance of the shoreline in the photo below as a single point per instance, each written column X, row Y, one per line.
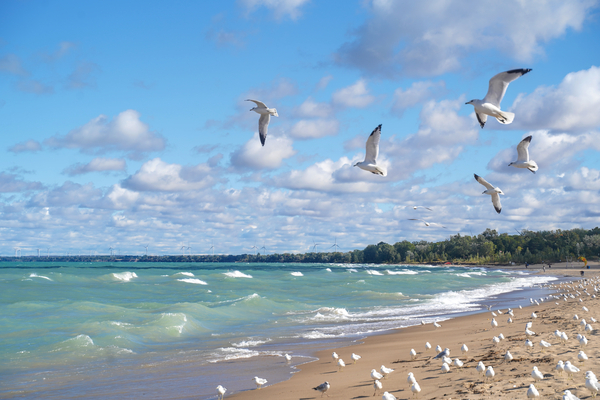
column 392, row 350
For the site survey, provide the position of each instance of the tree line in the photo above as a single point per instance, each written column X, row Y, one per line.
column 488, row 247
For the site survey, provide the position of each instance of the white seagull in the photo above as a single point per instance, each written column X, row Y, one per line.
column 425, row 222
column 523, row 160
column 388, row 396
column 427, row 208
column 490, row 105
column 372, row 147
column 416, row 389
column 355, row 357
column 489, row 373
column 495, row 192
column 385, row 371
column 532, row 392
column 259, row 381
column 536, row 374
column 341, row 364
column 265, row 116
column 410, row 379
column 323, row 387
column 508, row 357
column 221, row 392
column 377, row 386
column 376, row 375
column 592, row 383
column 335, row 357
column 464, row 349
column 413, row 354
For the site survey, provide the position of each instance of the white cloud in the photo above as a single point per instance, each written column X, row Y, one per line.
column 254, row 156
column 441, row 137
column 313, row 129
column 82, row 76
column 26, row 146
column 571, row 106
column 311, row 109
column 12, row 183
column 280, row 8
column 97, row 165
column 124, row 133
column 417, row 93
column 158, row 176
column 34, row 86
column 356, row 95
column 277, row 89
column 433, row 37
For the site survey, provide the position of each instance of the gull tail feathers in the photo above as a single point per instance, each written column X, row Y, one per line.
column 505, row 117
column 533, row 167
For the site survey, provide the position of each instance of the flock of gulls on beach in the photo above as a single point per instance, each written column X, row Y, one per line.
column 489, row 106
column 551, row 346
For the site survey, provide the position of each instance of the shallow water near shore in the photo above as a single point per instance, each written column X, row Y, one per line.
column 176, row 330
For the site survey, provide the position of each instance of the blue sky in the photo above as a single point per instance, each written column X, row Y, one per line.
column 124, row 123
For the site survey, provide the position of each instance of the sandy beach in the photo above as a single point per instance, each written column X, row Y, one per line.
column 512, row 379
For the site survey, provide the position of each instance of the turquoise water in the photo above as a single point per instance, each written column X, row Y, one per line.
column 123, row 330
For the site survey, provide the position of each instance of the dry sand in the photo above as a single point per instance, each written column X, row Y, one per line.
column 511, row 381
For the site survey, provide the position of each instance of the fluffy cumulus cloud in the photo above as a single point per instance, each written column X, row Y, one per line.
column 30, row 145
column 417, row 93
column 313, row 129
column 280, row 8
column 310, row 108
column 441, row 137
column 13, row 183
column 431, row 38
column 125, row 133
column 158, row 176
column 356, row 95
column 97, row 165
column 571, row 106
column 253, row 156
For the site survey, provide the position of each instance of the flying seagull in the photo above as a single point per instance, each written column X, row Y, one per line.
column 490, row 105
column 491, row 190
column 425, row 222
column 427, row 208
column 523, row 160
column 370, row 163
column 265, row 116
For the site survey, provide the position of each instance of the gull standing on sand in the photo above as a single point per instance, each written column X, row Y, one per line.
column 377, row 385
column 480, row 368
column 385, row 371
column 441, row 354
column 372, row 151
column 464, row 349
column 355, row 358
column 427, row 346
column 508, row 357
column 582, row 356
column 490, row 105
column 265, row 116
column 494, row 323
column 335, row 357
column 560, row 367
column 388, row 396
column 567, row 395
column 221, row 392
column 489, row 373
column 436, row 324
column 259, row 382
column 376, row 375
column 523, row 160
column 544, row 345
column 570, row 369
column 416, row 389
column 495, row 192
column 458, row 363
column 445, row 368
column 323, row 387
column 287, row 357
column 532, row 392
column 413, row 354
column 341, row 364
column 536, row 374
column 592, row 383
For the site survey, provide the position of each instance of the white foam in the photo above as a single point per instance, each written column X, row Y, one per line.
column 297, row 274
column 316, row 335
column 34, row 275
column 250, row 343
column 403, row 272
column 373, row 272
column 124, row 276
column 328, row 269
column 237, row 274
column 184, row 274
column 193, row 280
column 465, row 275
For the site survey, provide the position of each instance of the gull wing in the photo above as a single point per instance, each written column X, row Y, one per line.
column 258, row 103
column 523, row 149
column 263, row 126
column 372, row 146
column 499, row 83
column 496, row 202
column 483, row 182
